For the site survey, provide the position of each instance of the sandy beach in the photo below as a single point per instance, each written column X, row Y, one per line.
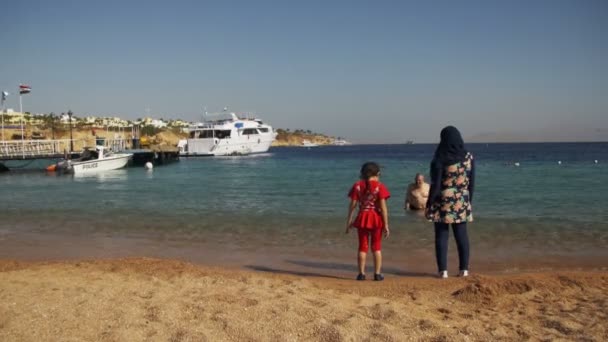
column 139, row 299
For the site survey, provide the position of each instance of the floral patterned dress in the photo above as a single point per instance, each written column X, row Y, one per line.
column 454, row 204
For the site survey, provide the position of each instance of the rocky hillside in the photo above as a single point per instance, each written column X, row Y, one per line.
column 165, row 137
column 285, row 137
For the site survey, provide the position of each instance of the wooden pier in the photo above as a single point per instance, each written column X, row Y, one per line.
column 33, row 149
column 156, row 157
column 50, row 151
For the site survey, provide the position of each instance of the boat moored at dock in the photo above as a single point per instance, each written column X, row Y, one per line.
column 227, row 135
column 91, row 161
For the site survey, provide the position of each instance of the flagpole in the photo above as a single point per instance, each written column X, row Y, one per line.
column 22, row 117
column 3, row 95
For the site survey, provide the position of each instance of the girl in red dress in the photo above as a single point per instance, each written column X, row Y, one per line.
column 372, row 218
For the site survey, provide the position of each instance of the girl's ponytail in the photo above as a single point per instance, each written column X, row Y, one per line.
column 368, row 170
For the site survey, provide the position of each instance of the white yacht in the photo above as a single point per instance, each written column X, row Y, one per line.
column 227, row 134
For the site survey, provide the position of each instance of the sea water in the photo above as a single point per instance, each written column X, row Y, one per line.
column 286, row 209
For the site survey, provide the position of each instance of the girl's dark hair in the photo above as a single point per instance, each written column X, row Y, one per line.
column 368, row 170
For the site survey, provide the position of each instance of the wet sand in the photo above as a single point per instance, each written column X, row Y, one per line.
column 139, row 299
column 334, row 256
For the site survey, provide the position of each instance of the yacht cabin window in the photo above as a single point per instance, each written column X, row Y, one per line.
column 249, row 131
column 210, row 133
column 222, row 134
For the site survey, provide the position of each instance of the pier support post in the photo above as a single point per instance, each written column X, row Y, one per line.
column 71, row 138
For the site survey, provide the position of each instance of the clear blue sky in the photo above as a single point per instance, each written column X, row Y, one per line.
column 373, row 71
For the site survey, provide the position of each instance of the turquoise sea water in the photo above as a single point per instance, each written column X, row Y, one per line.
column 290, row 204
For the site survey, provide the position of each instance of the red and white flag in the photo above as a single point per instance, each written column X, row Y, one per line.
column 24, row 89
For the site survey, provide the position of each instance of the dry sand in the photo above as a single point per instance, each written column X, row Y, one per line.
column 166, row 300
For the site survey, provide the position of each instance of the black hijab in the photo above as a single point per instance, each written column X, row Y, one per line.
column 451, row 147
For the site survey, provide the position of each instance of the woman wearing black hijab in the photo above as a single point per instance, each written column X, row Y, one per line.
column 450, row 197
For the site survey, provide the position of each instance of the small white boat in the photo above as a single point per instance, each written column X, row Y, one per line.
column 92, row 161
column 308, row 143
column 341, row 142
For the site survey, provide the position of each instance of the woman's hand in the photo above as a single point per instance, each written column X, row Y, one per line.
column 386, row 231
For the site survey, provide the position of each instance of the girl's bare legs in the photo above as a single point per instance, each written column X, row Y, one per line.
column 361, row 262
column 377, row 262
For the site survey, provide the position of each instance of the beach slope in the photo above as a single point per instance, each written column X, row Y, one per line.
column 166, row 300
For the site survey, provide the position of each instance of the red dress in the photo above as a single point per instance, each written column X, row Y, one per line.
column 370, row 214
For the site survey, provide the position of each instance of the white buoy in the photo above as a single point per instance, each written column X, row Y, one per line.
column 516, row 164
column 559, row 162
column 149, row 166
column 595, row 161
